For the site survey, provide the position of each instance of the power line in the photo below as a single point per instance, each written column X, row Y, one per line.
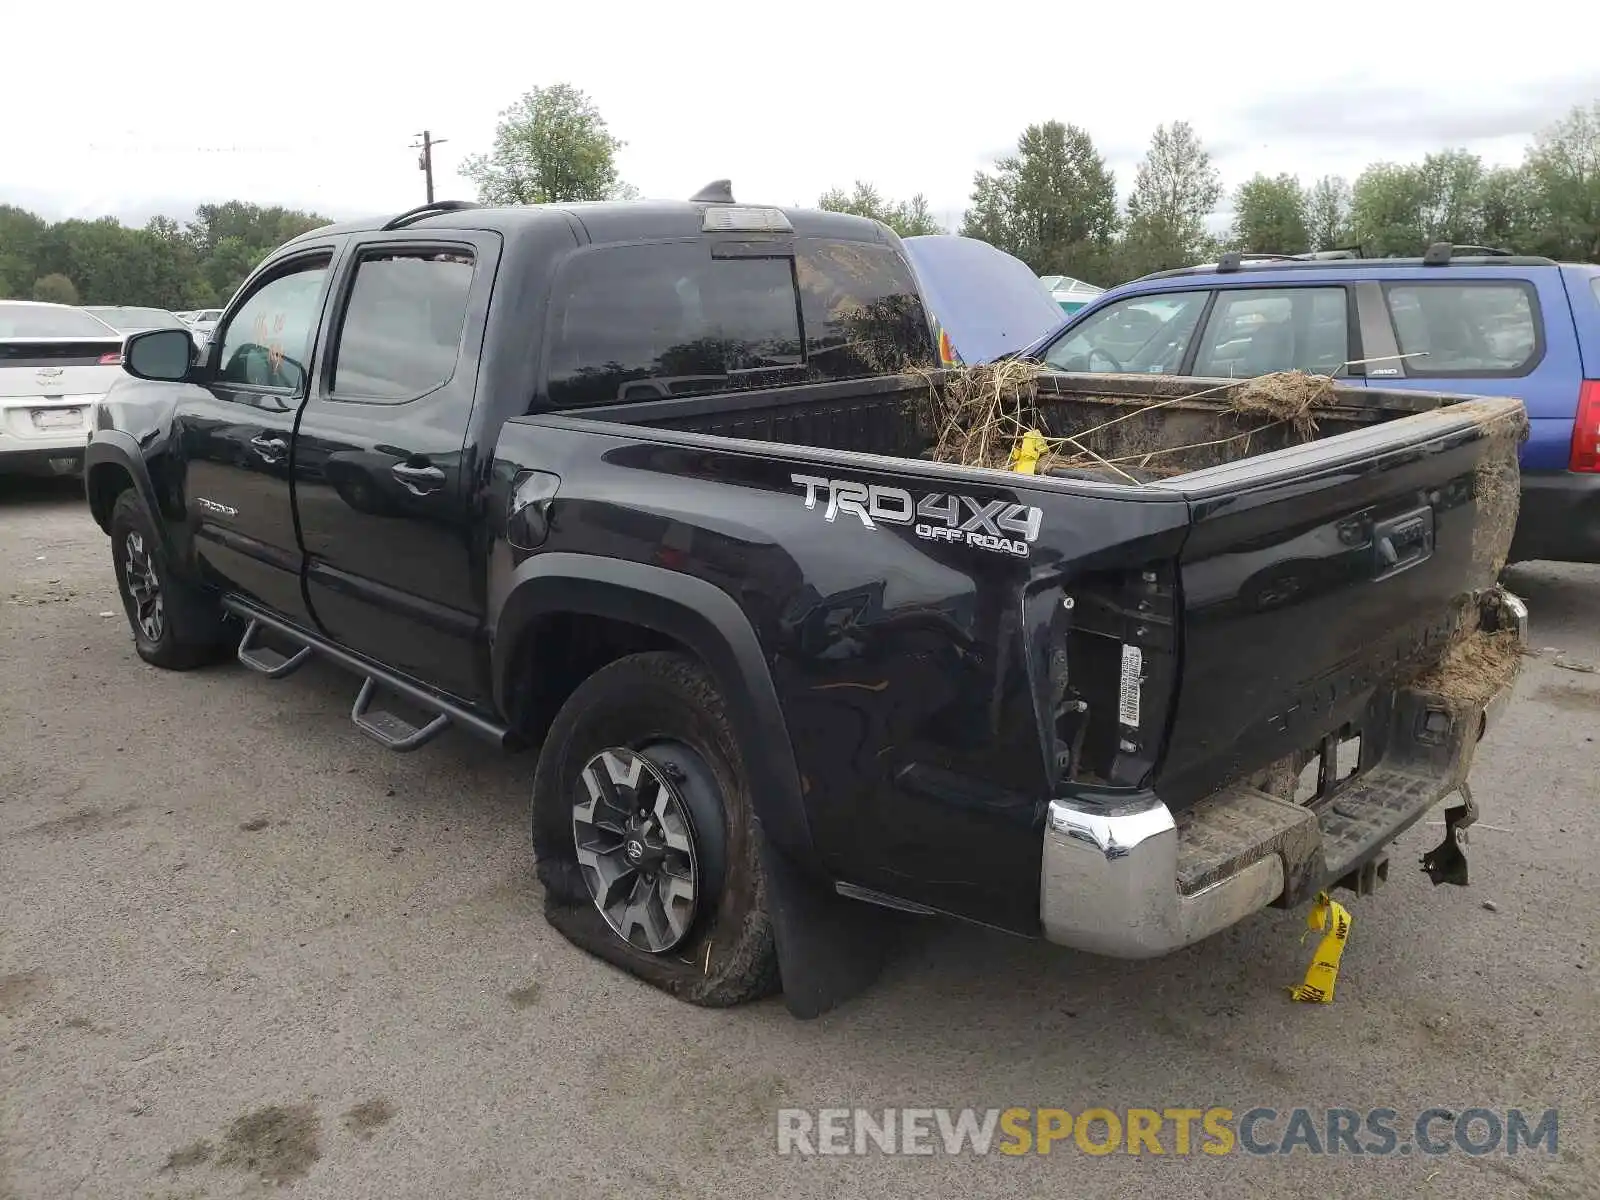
column 425, row 159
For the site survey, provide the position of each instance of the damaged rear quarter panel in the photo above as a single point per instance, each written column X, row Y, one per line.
column 905, row 665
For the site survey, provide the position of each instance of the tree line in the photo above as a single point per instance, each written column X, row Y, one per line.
column 1053, row 203
column 198, row 264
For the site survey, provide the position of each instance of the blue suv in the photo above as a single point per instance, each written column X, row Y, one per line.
column 1459, row 319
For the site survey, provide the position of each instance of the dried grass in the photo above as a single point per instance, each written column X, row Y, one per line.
column 976, row 416
column 1292, row 396
column 1474, row 668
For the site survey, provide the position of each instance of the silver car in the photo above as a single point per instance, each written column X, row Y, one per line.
column 126, row 319
column 56, row 362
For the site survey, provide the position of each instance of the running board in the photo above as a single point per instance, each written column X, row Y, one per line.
column 384, row 727
column 389, row 730
column 266, row 660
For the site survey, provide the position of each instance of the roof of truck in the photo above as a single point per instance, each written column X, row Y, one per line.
column 608, row 220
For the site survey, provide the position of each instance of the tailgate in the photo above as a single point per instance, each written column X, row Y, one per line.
column 1316, row 579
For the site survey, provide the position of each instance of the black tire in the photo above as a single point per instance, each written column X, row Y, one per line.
column 664, row 706
column 181, row 628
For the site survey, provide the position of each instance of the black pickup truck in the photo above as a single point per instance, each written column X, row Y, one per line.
column 646, row 485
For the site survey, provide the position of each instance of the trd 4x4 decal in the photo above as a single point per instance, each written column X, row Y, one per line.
column 996, row 525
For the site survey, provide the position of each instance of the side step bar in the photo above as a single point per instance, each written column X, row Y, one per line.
column 264, row 658
column 388, row 729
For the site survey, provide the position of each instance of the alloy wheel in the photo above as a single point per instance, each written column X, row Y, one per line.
column 144, row 587
column 636, row 847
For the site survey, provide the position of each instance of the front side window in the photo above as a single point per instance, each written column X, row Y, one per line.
column 401, row 332
column 1255, row 331
column 1465, row 328
column 267, row 342
column 668, row 319
column 1142, row 334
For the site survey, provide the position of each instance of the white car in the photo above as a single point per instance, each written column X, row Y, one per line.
column 56, row 362
column 203, row 324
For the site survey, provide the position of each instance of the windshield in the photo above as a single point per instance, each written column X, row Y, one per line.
column 1143, row 334
column 132, row 320
column 50, row 321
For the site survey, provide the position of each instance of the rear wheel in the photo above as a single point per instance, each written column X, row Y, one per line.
column 644, row 835
column 174, row 625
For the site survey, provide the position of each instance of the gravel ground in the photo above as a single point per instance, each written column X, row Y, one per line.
column 242, row 947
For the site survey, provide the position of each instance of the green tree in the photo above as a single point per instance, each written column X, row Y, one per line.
column 1174, row 189
column 908, row 218
column 1508, row 209
column 1328, row 213
column 1451, row 187
column 551, row 146
column 56, row 289
column 1386, row 209
column 1564, row 168
column 1269, row 215
column 21, row 234
column 1053, row 203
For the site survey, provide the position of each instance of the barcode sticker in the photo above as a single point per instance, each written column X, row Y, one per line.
column 1132, row 668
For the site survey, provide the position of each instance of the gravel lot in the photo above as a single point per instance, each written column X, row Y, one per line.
column 216, row 897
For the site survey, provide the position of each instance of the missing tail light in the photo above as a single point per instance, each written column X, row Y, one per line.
column 1114, row 684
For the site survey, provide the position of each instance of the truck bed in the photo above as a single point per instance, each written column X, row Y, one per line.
column 1159, row 426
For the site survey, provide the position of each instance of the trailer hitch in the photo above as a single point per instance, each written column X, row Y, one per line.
column 1445, row 863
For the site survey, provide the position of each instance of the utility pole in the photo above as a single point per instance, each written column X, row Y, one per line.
column 425, row 159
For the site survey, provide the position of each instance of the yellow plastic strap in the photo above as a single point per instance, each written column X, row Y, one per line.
column 1025, row 458
column 1324, row 970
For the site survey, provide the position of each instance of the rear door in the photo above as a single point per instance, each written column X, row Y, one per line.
column 380, row 483
column 1488, row 331
column 235, row 429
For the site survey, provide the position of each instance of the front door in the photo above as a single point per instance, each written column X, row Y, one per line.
column 381, row 489
column 235, row 433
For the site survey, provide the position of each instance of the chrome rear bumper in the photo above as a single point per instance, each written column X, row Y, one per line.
column 1111, row 879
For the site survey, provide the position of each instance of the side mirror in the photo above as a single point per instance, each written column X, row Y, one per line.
column 164, row 355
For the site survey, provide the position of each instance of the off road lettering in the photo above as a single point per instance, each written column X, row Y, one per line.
column 995, row 525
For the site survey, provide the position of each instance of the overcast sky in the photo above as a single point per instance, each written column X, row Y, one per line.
column 313, row 106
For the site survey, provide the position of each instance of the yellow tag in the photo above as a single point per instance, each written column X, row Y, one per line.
column 1032, row 447
column 1323, row 972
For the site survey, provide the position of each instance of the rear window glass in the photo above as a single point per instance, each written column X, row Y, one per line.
column 401, row 333
column 864, row 315
column 1465, row 328
column 134, row 320
column 650, row 322
column 45, row 321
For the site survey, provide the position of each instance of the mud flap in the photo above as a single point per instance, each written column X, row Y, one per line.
column 1445, row 863
column 830, row 948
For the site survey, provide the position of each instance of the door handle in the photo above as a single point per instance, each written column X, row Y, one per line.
column 270, row 449
column 419, row 481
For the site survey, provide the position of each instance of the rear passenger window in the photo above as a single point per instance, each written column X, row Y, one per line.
column 863, row 311
column 401, row 333
column 1255, row 331
column 1465, row 329
column 650, row 322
